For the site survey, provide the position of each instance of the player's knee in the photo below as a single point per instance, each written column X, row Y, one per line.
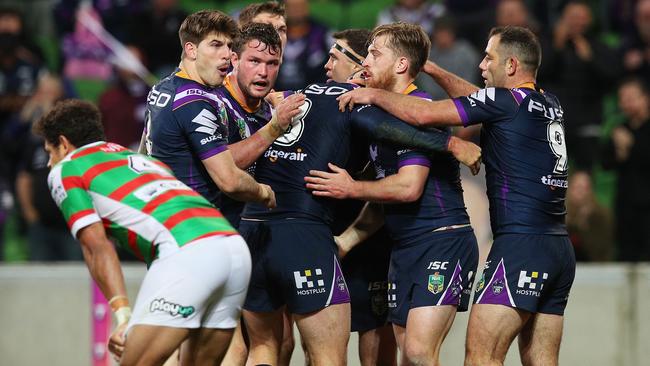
column 480, row 359
column 416, row 353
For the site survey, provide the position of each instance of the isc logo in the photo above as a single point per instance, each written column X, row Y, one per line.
column 437, row 265
column 157, row 98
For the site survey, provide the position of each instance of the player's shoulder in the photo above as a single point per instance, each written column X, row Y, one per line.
column 415, row 92
column 328, row 89
column 186, row 92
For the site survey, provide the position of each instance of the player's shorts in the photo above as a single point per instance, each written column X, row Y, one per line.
column 435, row 269
column 366, row 272
column 294, row 263
column 528, row 272
column 203, row 285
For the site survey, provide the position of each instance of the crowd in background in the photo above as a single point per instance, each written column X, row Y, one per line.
column 596, row 59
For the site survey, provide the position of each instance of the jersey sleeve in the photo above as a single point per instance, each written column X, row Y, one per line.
column 486, row 106
column 203, row 121
column 386, row 128
column 70, row 194
column 408, row 157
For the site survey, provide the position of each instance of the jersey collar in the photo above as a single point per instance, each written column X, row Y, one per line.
column 409, row 89
column 529, row 85
column 227, row 83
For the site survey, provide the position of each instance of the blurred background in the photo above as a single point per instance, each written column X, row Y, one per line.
column 596, row 59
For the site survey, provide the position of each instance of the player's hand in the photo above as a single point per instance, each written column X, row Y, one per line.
column 274, row 98
column 356, row 96
column 343, row 251
column 429, row 67
column 336, row 184
column 358, row 78
column 467, row 153
column 268, row 196
column 116, row 342
column 289, row 108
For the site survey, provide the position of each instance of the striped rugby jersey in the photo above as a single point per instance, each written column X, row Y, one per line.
column 142, row 205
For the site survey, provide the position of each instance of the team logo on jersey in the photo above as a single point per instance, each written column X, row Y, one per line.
column 436, row 283
column 310, row 282
column 207, row 123
column 296, row 128
column 527, row 285
column 165, row 306
column 378, row 304
column 55, row 181
column 497, row 286
column 481, row 283
column 481, row 95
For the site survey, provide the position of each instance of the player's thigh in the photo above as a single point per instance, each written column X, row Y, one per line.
column 206, row 346
column 151, row 344
column 427, row 327
column 539, row 340
column 327, row 329
column 237, row 350
column 491, row 330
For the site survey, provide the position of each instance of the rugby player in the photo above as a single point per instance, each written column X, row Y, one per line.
column 435, row 253
column 199, row 266
column 269, row 12
column 531, row 265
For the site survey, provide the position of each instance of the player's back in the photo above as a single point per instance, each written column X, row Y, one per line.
column 184, row 125
column 320, row 136
column 141, row 204
column 526, row 164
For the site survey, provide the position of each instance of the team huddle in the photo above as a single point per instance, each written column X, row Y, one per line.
column 337, row 207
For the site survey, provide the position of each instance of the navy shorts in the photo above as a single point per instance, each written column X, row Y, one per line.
column 435, row 269
column 366, row 272
column 294, row 263
column 529, row 272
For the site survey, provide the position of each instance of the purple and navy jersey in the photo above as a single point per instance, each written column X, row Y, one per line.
column 441, row 203
column 242, row 123
column 525, row 156
column 322, row 135
column 185, row 124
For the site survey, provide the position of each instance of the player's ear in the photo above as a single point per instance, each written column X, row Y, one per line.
column 511, row 66
column 190, row 50
column 402, row 65
column 65, row 144
column 234, row 59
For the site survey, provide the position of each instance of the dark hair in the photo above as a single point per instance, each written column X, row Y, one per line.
column 78, row 120
column 406, row 40
column 198, row 25
column 634, row 80
column 520, row 42
column 262, row 32
column 357, row 39
column 251, row 11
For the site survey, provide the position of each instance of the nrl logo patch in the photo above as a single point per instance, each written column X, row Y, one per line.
column 436, row 283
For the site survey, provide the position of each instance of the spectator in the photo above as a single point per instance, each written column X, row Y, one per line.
column 453, row 54
column 580, row 68
column 588, row 222
column 628, row 151
column 636, row 46
column 305, row 53
column 163, row 20
column 122, row 106
column 473, row 17
column 48, row 237
column 412, row 11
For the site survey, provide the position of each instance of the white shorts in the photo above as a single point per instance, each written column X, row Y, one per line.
column 203, row 285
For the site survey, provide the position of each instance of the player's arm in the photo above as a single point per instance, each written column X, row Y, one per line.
column 370, row 219
column 452, row 84
column 235, row 182
column 104, row 266
column 405, row 186
column 246, row 151
column 385, row 128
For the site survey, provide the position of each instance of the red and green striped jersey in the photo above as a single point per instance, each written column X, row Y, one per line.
column 142, row 205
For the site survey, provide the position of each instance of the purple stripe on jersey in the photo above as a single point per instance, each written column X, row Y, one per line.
column 438, row 195
column 454, row 289
column 504, row 192
column 213, row 152
column 519, row 94
column 497, row 290
column 189, row 86
column 421, row 94
column 192, row 98
column 339, row 293
column 422, row 161
column 461, row 111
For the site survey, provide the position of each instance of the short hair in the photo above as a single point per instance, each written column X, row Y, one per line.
column 634, row 80
column 522, row 43
column 198, row 25
column 78, row 120
column 247, row 14
column 265, row 33
column 406, row 40
column 357, row 39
